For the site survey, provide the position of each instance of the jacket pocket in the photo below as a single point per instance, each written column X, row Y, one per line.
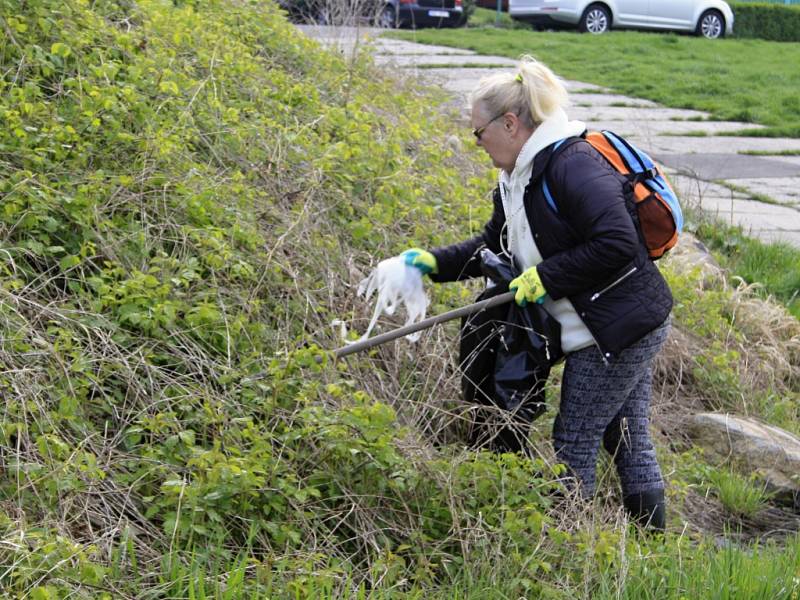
column 622, row 276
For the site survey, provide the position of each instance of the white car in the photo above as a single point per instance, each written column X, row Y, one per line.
column 710, row 18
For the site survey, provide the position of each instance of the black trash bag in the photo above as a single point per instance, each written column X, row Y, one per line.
column 505, row 357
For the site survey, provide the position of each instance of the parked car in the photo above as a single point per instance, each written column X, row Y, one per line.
column 710, row 18
column 492, row 4
column 381, row 13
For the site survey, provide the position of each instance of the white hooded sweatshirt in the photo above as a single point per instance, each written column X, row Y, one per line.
column 574, row 334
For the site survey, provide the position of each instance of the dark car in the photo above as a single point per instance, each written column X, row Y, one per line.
column 381, row 13
column 492, row 4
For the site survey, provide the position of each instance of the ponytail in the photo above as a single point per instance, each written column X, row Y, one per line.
column 533, row 93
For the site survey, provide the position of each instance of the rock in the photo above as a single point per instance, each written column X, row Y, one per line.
column 453, row 142
column 691, row 253
column 770, row 452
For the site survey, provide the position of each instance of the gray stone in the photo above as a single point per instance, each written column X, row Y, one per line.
column 773, row 454
column 689, row 254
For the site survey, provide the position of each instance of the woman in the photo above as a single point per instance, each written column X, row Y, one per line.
column 583, row 260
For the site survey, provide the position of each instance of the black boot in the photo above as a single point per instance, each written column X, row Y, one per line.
column 647, row 509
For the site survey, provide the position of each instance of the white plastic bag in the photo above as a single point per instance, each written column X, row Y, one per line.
column 396, row 283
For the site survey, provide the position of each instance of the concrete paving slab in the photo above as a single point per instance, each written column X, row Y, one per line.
column 712, row 166
column 449, row 61
column 691, row 191
column 463, row 80
column 582, row 88
column 790, row 160
column 784, row 190
column 390, row 46
column 593, row 99
column 721, row 144
column 688, row 128
column 462, row 87
column 767, row 222
column 643, row 132
column 619, row 113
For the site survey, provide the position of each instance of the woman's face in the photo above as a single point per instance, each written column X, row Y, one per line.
column 502, row 136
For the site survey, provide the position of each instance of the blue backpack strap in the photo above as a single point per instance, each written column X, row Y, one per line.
column 642, row 165
column 546, row 188
column 548, row 196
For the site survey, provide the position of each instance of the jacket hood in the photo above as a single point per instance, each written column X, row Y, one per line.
column 556, row 127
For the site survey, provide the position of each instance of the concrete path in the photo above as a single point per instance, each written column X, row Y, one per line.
column 745, row 181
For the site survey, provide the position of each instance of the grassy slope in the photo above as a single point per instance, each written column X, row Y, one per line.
column 189, row 197
column 678, row 71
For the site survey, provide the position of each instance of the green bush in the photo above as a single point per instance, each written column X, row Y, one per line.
column 776, row 22
column 469, row 9
column 181, row 183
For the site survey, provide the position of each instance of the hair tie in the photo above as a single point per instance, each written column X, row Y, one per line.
column 519, row 77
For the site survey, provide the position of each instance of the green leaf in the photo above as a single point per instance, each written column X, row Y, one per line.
column 68, row 262
column 44, row 592
column 60, row 49
column 169, row 87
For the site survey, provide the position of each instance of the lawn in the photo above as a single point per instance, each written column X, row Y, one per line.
column 752, row 81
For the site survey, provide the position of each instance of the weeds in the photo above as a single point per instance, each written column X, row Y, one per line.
column 708, row 572
column 770, row 152
column 773, row 267
column 741, row 496
column 755, row 196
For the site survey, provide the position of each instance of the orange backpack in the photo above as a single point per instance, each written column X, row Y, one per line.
column 657, row 206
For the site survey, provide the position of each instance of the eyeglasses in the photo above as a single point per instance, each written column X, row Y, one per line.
column 479, row 131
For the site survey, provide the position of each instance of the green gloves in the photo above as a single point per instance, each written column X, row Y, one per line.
column 529, row 287
column 422, row 259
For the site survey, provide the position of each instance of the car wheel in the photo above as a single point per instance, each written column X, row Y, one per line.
column 388, row 18
column 595, row 19
column 711, row 25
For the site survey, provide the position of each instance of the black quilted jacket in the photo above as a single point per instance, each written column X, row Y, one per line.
column 591, row 249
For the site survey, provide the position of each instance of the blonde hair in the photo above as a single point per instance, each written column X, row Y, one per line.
column 533, row 93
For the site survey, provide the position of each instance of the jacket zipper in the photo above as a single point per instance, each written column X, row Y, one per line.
column 596, row 295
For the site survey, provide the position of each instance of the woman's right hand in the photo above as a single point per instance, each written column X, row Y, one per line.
column 422, row 259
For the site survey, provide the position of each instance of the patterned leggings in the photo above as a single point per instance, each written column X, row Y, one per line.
column 610, row 402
